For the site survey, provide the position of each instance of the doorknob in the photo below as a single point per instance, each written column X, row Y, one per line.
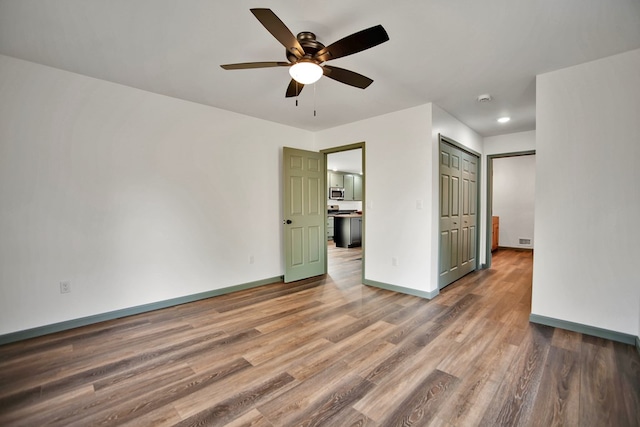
column 287, row 221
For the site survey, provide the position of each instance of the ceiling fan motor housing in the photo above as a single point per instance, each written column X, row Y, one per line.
column 309, row 43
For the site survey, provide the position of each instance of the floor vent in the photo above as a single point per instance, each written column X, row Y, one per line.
column 525, row 241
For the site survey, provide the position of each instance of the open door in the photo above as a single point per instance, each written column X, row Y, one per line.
column 304, row 213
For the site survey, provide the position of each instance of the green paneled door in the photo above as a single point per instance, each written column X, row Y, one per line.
column 458, row 201
column 304, row 210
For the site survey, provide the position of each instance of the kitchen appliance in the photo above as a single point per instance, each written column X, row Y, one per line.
column 336, row 193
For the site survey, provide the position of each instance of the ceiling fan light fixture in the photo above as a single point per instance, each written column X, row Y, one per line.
column 305, row 72
column 305, row 54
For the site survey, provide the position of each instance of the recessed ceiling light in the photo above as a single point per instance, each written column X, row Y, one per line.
column 504, row 119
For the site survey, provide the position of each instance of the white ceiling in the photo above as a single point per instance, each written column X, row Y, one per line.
column 442, row 51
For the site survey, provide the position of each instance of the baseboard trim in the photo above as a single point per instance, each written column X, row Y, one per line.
column 638, row 344
column 520, row 248
column 97, row 318
column 584, row 329
column 402, row 289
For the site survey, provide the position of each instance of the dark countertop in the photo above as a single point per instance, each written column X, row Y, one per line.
column 340, row 213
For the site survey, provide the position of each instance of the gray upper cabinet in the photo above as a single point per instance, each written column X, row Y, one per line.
column 357, row 187
column 336, row 179
column 352, row 184
column 348, row 187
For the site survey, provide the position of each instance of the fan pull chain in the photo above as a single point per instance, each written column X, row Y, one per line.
column 314, row 99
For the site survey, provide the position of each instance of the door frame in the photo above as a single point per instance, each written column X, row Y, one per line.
column 338, row 149
column 454, row 143
column 489, row 213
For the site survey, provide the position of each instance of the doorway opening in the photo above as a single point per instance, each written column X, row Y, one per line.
column 510, row 202
column 345, row 189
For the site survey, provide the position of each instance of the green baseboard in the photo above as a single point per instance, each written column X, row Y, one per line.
column 97, row 318
column 402, row 289
column 584, row 329
column 638, row 344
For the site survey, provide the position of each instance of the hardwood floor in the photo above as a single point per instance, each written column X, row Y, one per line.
column 328, row 351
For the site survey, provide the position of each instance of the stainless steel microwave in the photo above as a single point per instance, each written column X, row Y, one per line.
column 336, row 193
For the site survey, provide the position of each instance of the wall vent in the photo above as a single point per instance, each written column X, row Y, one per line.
column 523, row 241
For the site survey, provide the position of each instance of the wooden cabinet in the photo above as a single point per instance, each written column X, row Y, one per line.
column 495, row 236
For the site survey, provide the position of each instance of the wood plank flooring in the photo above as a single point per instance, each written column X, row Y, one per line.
column 328, row 351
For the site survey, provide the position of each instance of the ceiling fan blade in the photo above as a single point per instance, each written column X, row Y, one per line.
column 346, row 76
column 279, row 30
column 246, row 65
column 294, row 89
column 356, row 42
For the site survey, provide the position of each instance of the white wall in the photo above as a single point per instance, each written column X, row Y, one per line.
column 587, row 198
column 510, row 143
column 400, row 177
column 132, row 196
column 514, row 181
column 397, row 155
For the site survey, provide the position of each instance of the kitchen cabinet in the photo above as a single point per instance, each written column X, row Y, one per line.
column 330, row 227
column 348, row 187
column 348, row 231
column 357, row 187
column 352, row 186
column 495, row 236
column 335, row 179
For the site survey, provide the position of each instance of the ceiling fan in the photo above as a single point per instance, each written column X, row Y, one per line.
column 306, row 54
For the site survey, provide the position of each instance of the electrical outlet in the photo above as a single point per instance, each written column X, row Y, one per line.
column 65, row 287
column 419, row 204
column 251, row 259
column 394, row 261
